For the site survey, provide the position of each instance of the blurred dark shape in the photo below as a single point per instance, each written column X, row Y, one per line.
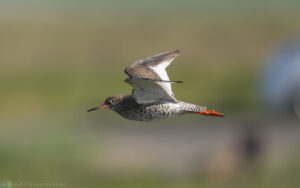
column 243, row 153
column 251, row 143
column 281, row 80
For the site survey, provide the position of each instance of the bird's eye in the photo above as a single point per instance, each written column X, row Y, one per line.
column 112, row 101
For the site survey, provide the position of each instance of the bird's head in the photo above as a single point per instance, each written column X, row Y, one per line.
column 110, row 103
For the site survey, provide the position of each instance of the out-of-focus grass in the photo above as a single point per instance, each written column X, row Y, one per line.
column 66, row 155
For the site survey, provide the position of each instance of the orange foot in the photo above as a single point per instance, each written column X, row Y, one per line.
column 209, row 113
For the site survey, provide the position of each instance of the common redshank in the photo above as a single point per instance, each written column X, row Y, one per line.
column 152, row 96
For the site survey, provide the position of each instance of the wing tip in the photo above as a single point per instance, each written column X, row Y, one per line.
column 177, row 51
column 169, row 56
column 178, row 82
column 173, row 53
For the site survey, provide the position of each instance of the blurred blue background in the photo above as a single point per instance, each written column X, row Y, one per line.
column 59, row 58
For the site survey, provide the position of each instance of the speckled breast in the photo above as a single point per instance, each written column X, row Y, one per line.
column 152, row 111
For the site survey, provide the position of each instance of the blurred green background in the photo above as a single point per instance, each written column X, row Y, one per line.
column 59, row 58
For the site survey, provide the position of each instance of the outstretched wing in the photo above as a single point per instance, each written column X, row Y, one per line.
column 150, row 80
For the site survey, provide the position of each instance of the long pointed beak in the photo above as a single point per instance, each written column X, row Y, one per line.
column 98, row 107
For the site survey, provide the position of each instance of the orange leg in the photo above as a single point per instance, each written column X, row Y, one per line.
column 209, row 113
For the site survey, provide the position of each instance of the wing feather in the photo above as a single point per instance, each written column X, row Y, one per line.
column 149, row 91
column 149, row 78
column 152, row 67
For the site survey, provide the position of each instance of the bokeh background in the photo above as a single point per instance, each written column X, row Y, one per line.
column 59, row 58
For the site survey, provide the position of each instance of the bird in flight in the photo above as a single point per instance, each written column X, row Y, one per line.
column 152, row 97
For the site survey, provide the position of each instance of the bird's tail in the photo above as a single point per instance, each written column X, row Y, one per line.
column 195, row 109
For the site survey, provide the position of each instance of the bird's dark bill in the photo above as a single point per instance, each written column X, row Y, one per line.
column 98, row 107
column 92, row 109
